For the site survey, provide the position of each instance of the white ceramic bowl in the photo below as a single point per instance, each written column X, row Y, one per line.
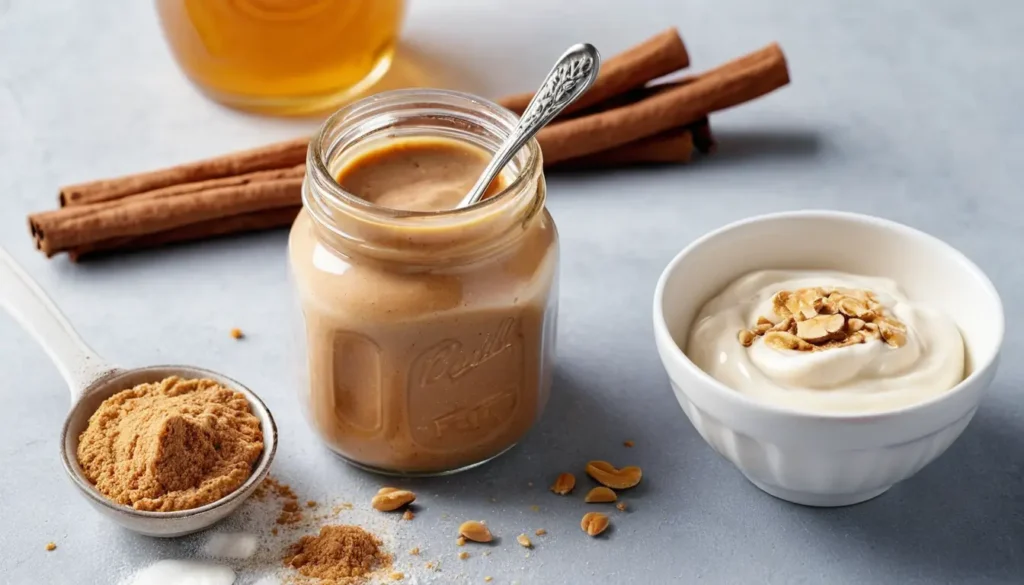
column 826, row 459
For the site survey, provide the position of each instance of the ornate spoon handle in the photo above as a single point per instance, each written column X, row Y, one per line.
column 573, row 74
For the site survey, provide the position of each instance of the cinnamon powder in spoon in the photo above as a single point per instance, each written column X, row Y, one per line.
column 170, row 445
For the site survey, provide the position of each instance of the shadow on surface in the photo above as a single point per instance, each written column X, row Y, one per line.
column 767, row 143
column 960, row 517
column 731, row 147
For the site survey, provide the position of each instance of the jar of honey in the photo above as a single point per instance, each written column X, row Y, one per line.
column 282, row 56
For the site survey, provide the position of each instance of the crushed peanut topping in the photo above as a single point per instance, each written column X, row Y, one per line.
column 816, row 319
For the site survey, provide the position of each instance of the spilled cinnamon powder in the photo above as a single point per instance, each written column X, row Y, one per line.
column 291, row 513
column 339, row 555
column 170, row 445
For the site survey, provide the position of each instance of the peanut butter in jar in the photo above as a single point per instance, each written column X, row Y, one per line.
column 429, row 331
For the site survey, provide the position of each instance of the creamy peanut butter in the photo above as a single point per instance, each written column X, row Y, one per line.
column 438, row 362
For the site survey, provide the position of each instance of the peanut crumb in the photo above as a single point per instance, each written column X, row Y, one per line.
column 430, row 564
column 310, row 504
column 524, row 541
column 415, row 551
column 396, row 576
column 237, row 333
column 540, row 532
column 487, row 553
column 408, row 515
column 621, row 506
column 488, row 579
column 460, row 541
column 627, row 444
column 51, row 546
column 273, row 531
column 463, row 555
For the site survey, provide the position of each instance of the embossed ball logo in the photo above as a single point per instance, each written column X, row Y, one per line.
column 481, row 377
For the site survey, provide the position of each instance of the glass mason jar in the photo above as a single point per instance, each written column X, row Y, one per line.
column 429, row 336
column 282, row 56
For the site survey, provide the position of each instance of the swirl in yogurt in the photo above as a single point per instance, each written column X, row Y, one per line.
column 858, row 378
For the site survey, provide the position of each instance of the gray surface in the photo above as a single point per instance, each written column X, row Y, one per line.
column 911, row 114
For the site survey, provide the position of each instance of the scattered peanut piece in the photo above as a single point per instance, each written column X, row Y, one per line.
column 564, row 484
column 310, row 504
column 594, row 523
column 430, row 564
column 415, row 551
column 475, row 531
column 607, row 475
column 397, row 576
column 621, row 506
column 460, row 541
column 389, row 499
column 524, row 540
column 237, row 333
column 540, row 532
column 463, row 555
column 627, row 444
column 488, row 579
column 600, row 495
column 408, row 515
column 51, row 546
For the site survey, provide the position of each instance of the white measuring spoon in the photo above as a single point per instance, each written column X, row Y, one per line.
column 92, row 380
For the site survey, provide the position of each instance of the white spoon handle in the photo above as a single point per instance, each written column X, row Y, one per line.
column 30, row 306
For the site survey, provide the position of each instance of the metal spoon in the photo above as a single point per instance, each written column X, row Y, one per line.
column 573, row 74
column 92, row 380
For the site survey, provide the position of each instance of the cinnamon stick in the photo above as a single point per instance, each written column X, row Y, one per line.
column 247, row 202
column 246, row 222
column 659, row 55
column 733, row 83
column 273, row 156
column 144, row 216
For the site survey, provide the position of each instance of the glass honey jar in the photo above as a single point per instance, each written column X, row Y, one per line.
column 282, row 56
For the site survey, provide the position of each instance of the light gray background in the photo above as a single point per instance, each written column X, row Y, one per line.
column 907, row 110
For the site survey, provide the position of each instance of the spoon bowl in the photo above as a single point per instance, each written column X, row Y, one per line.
column 91, row 381
column 163, row 524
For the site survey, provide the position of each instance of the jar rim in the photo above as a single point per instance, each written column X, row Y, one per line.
column 317, row 161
